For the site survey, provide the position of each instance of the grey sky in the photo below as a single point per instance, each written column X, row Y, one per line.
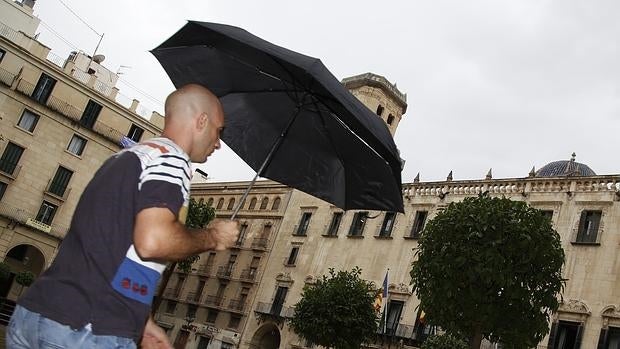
column 501, row 84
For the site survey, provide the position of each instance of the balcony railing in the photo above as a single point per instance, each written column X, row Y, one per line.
column 214, row 301
column 236, row 305
column 25, row 217
column 193, row 297
column 71, row 112
column 6, row 77
column 272, row 309
column 248, row 275
column 224, row 272
column 260, row 243
column 172, row 293
column 204, row 269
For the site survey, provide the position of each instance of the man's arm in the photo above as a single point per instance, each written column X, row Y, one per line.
column 158, row 235
column 154, row 336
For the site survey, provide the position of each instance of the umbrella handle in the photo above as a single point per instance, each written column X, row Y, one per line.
column 245, row 195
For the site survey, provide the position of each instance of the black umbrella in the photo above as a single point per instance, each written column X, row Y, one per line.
column 288, row 117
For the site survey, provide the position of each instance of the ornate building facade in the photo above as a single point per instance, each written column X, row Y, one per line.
column 59, row 120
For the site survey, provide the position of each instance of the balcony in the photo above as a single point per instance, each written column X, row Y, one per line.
column 260, row 244
column 70, row 112
column 248, row 275
column 224, row 272
column 6, row 78
column 172, row 293
column 275, row 310
column 214, row 301
column 193, row 297
column 205, row 269
column 21, row 216
column 236, row 305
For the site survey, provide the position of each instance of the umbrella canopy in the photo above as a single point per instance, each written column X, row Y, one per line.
column 289, row 109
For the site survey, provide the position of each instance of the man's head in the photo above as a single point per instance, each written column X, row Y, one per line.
column 194, row 120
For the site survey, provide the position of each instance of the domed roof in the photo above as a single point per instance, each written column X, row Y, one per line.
column 565, row 168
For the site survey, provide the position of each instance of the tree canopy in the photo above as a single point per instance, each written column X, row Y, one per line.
column 199, row 215
column 337, row 311
column 490, row 267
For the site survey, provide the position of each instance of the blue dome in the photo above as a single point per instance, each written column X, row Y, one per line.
column 565, row 168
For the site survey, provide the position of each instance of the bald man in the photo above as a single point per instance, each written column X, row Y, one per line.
column 128, row 223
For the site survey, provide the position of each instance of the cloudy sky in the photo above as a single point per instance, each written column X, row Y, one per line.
column 490, row 84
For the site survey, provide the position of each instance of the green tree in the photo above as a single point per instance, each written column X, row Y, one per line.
column 337, row 311
column 490, row 268
column 444, row 341
column 5, row 271
column 25, row 279
column 199, row 215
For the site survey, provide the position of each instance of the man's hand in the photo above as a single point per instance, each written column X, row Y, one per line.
column 154, row 337
column 221, row 234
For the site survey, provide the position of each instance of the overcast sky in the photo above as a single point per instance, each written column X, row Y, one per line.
column 490, row 84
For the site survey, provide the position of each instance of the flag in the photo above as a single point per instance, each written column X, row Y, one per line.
column 378, row 304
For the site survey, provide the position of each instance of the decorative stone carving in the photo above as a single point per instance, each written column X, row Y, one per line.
column 611, row 311
column 310, row 280
column 284, row 277
column 575, row 306
column 400, row 288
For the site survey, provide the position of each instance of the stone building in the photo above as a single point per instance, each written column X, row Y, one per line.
column 59, row 120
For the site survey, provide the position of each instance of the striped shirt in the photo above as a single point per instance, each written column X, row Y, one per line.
column 97, row 276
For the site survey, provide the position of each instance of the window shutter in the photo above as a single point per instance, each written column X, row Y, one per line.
column 582, row 227
column 602, row 339
column 596, row 220
column 552, row 334
column 579, row 336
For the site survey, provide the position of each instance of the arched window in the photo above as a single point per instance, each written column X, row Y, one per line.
column 220, row 203
column 210, row 202
column 252, row 204
column 390, row 119
column 201, row 201
column 231, row 204
column 379, row 110
column 263, row 204
column 276, row 204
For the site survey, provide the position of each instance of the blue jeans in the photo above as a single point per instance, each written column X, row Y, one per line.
column 31, row 330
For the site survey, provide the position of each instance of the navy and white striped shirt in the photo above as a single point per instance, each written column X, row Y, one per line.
column 97, row 276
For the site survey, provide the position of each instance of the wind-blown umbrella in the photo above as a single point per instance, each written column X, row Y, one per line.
column 288, row 117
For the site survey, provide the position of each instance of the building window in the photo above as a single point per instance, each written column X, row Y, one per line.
column 2, row 54
column 210, row 202
column 334, row 225
column 171, row 306
column 390, row 119
column 418, row 224
column 212, row 316
column 44, row 88
column 28, row 121
column 276, row 204
column 3, row 187
column 220, row 203
column 588, row 226
column 388, row 224
column 380, row 110
column 278, row 301
column 394, row 310
column 231, row 204
column 565, row 334
column 358, row 223
column 226, row 346
column 10, row 158
column 59, row 183
column 263, row 204
column 292, row 257
column 203, row 343
column 46, row 213
column 135, row 133
column 76, row 145
column 191, row 311
column 610, row 338
column 547, row 213
column 243, row 230
column 91, row 113
column 302, row 228
column 234, row 322
column 252, row 204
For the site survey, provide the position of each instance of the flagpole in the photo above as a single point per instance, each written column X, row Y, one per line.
column 385, row 304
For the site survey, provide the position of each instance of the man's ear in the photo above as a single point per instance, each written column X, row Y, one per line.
column 202, row 121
